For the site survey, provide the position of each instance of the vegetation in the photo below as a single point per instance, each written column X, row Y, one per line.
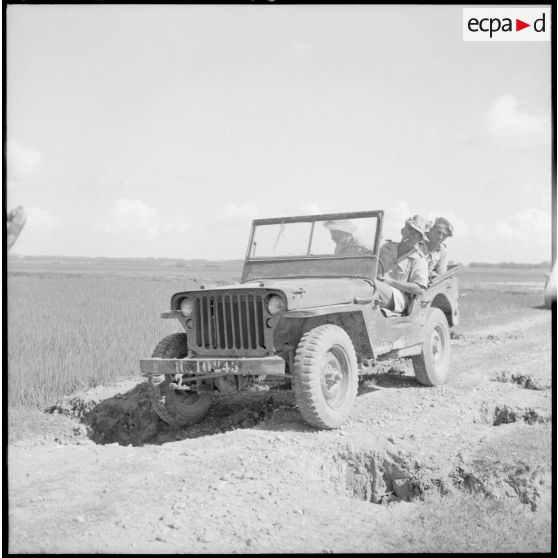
column 513, row 265
column 81, row 323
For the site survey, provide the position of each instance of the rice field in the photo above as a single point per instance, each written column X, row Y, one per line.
column 74, row 324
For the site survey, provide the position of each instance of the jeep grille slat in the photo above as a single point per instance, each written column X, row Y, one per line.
column 225, row 329
column 248, row 328
column 239, row 319
column 258, row 339
column 210, row 322
column 229, row 322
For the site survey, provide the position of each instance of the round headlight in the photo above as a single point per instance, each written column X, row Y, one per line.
column 274, row 304
column 186, row 307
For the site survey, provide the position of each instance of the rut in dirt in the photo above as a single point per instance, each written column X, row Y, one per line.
column 385, row 478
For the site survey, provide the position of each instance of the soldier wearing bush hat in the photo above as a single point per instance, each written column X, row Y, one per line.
column 343, row 234
column 436, row 250
column 405, row 266
column 419, row 224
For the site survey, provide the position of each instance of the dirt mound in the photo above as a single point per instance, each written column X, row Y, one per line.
column 129, row 418
column 382, row 477
column 498, row 414
column 523, row 380
column 79, row 403
column 126, row 419
column 499, row 480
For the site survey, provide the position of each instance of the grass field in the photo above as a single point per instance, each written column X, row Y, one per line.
column 77, row 323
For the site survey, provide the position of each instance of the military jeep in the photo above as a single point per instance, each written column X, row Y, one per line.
column 305, row 317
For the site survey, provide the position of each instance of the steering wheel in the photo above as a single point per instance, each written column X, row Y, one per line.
column 381, row 267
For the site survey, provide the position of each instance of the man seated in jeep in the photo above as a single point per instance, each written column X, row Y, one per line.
column 343, row 234
column 435, row 249
column 405, row 266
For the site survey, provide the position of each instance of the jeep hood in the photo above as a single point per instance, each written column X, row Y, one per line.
column 309, row 293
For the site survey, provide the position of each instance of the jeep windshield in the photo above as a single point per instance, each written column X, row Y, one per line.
column 324, row 236
column 332, row 245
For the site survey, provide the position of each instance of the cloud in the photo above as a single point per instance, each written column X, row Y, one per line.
column 394, row 218
column 178, row 224
column 529, row 226
column 41, row 220
column 23, row 162
column 460, row 227
column 523, row 237
column 502, row 230
column 534, row 222
column 508, row 126
column 234, row 214
column 312, row 208
column 134, row 217
column 296, row 208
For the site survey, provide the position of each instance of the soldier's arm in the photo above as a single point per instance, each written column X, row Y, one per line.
column 418, row 279
column 405, row 286
column 442, row 266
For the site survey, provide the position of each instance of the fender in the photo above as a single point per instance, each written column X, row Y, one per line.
column 355, row 306
column 344, row 315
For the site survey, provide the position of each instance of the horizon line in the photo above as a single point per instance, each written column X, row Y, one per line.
column 53, row 256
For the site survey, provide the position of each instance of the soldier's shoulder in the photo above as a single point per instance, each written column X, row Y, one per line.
column 417, row 255
column 422, row 248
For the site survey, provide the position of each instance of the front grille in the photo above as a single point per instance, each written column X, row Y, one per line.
column 229, row 321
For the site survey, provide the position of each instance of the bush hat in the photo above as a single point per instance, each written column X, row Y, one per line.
column 341, row 225
column 420, row 224
column 444, row 224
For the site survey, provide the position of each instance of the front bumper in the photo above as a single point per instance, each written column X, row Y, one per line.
column 273, row 365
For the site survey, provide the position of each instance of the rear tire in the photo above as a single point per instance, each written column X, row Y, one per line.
column 432, row 365
column 325, row 376
column 176, row 408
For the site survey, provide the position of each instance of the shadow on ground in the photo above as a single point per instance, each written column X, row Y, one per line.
column 129, row 418
column 390, row 380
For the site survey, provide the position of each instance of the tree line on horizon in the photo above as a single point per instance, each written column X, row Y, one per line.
column 542, row 265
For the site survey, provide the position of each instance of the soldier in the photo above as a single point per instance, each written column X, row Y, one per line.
column 405, row 266
column 342, row 233
column 436, row 251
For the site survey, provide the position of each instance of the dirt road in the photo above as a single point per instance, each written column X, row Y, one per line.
column 253, row 477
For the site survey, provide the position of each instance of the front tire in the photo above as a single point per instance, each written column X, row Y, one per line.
column 325, row 376
column 176, row 408
column 432, row 365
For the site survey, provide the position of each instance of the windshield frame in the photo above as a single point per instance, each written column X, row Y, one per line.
column 313, row 219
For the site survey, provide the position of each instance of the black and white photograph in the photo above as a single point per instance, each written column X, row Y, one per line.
column 279, row 278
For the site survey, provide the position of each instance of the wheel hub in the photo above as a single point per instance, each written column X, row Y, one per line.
column 438, row 347
column 332, row 377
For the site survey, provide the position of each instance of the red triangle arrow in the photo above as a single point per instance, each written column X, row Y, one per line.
column 519, row 25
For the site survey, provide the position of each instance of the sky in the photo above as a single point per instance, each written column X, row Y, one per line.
column 163, row 130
